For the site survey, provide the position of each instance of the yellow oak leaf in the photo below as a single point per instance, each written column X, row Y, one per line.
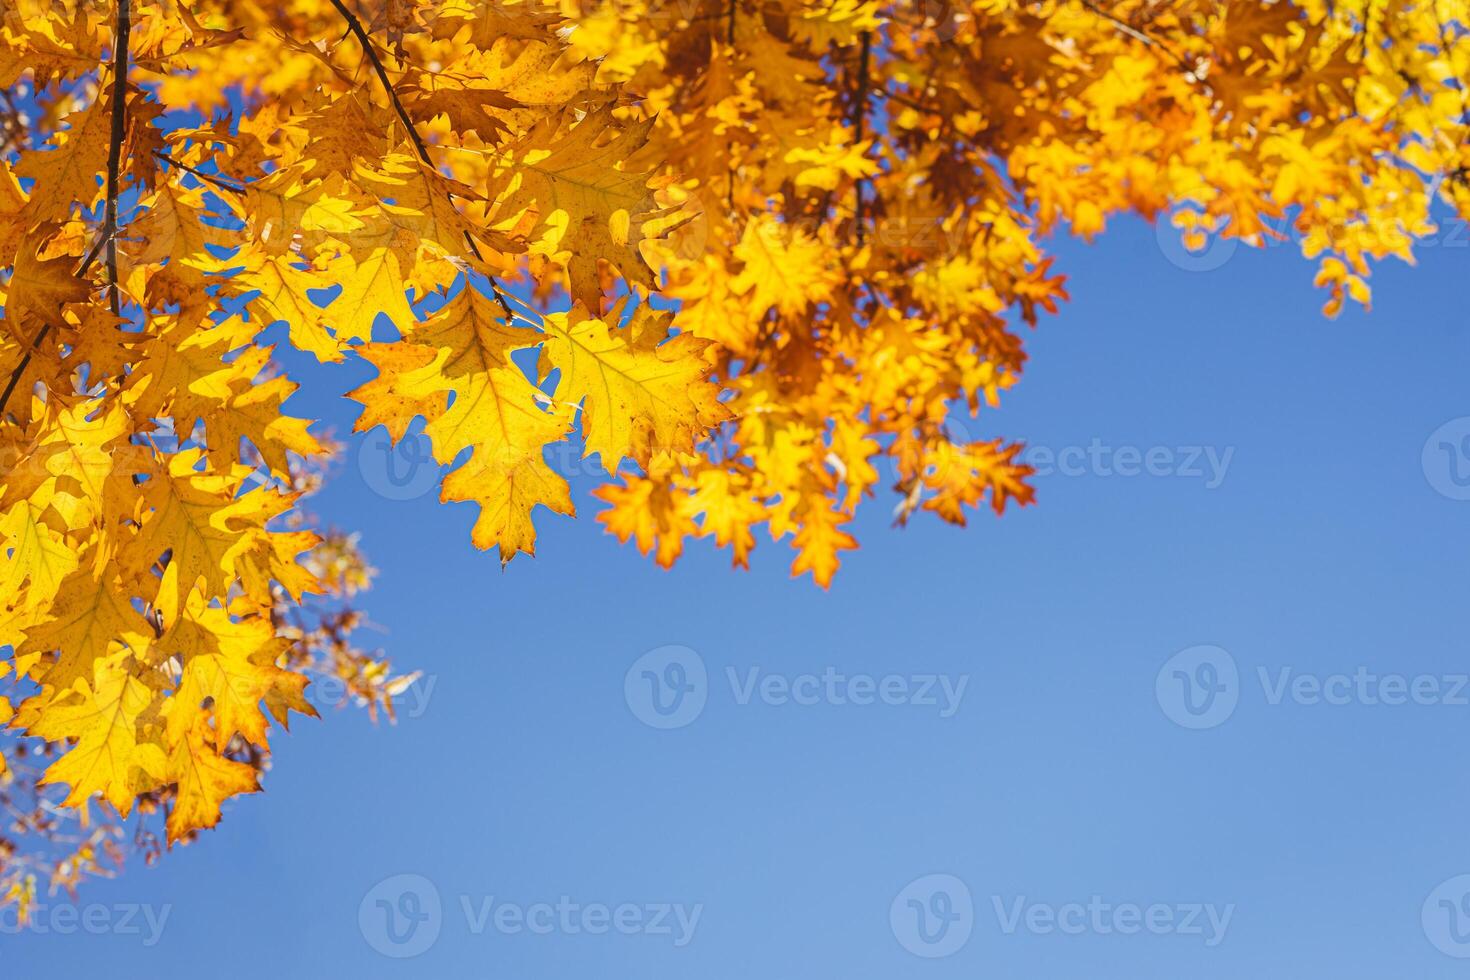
column 819, row 540
column 34, row 558
column 40, row 287
column 90, row 620
column 592, row 209
column 114, row 756
column 69, row 175
column 205, row 779
column 784, row 268
column 465, row 349
column 282, row 293
column 191, row 516
column 372, row 284
column 256, row 414
column 229, row 664
column 70, row 463
column 639, row 393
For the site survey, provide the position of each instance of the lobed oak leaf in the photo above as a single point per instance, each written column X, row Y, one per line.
column 198, row 518
column 229, row 664
column 92, row 620
column 587, row 205
column 653, row 514
column 281, row 291
column 34, row 559
column 69, row 175
column 114, row 755
column 639, row 393
column 40, row 287
column 204, row 780
column 784, row 268
column 819, row 539
column 496, row 412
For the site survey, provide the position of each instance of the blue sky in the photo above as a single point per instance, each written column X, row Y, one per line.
column 1027, row 805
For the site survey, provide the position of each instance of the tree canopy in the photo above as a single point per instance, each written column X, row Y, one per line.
column 748, row 255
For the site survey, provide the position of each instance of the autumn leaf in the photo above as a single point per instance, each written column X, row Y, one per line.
column 639, row 393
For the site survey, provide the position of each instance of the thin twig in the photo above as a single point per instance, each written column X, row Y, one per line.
column 21, row 367
column 906, row 101
column 114, row 151
column 211, row 179
column 355, row 26
column 861, row 113
column 730, row 144
column 1190, row 69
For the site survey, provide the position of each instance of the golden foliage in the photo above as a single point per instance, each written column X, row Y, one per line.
column 766, row 247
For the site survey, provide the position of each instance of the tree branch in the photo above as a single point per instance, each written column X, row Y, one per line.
column 358, row 31
column 211, row 179
column 861, row 112
column 21, row 367
column 1190, row 69
column 730, row 144
column 114, row 151
column 107, row 237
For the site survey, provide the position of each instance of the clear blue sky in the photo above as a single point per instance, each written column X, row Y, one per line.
column 795, row 830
